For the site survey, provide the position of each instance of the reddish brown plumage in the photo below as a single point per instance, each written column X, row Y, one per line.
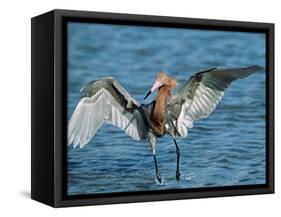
column 157, row 118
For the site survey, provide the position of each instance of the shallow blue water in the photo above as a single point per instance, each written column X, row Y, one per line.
column 227, row 148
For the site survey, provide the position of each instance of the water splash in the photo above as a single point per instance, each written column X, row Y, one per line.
column 162, row 183
column 187, row 177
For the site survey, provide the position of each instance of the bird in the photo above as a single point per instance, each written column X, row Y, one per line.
column 106, row 101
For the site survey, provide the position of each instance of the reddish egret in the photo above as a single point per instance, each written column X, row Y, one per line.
column 106, row 101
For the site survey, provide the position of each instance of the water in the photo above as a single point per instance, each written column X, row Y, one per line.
column 227, row 148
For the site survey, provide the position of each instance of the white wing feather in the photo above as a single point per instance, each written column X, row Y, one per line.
column 201, row 94
column 203, row 104
column 92, row 112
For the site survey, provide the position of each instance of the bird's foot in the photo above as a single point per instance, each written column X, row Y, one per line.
column 178, row 176
column 159, row 178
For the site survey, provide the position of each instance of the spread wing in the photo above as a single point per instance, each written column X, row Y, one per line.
column 201, row 94
column 106, row 101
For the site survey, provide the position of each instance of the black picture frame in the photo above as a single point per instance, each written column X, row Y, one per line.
column 49, row 116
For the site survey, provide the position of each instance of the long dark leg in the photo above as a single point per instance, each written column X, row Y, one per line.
column 178, row 175
column 156, row 169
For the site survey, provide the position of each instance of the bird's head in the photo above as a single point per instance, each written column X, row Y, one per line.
column 162, row 79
